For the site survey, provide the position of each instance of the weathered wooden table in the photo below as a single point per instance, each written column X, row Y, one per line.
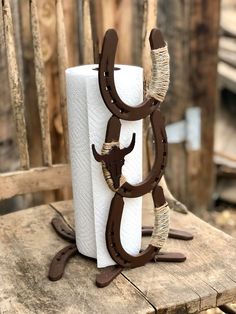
column 28, row 242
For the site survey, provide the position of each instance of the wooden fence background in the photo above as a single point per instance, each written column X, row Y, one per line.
column 191, row 29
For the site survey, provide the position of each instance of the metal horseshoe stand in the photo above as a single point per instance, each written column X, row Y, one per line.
column 113, row 161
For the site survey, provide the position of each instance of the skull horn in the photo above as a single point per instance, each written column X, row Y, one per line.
column 127, row 150
column 96, row 155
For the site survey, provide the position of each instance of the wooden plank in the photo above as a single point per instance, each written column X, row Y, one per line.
column 30, row 92
column 191, row 30
column 204, row 94
column 108, row 20
column 41, row 85
column 149, row 22
column 94, row 5
column 28, row 243
column 34, row 180
column 47, row 23
column 227, row 50
column 9, row 158
column 226, row 188
column 118, row 15
column 17, row 34
column 137, row 31
column 206, row 279
column 228, row 44
column 62, row 65
column 88, row 57
column 225, row 141
column 71, row 18
column 227, row 76
column 173, row 20
column 15, row 83
column 228, row 57
column 227, row 22
column 123, row 25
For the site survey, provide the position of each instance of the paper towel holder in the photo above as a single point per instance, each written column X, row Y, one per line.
column 120, row 110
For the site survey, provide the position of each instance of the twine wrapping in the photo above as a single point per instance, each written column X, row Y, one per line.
column 161, row 226
column 105, row 150
column 160, row 78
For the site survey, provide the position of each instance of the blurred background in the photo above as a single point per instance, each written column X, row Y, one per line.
column 200, row 107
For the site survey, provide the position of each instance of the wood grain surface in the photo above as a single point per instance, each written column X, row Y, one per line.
column 34, row 180
column 206, row 279
column 191, row 29
column 15, row 84
column 27, row 246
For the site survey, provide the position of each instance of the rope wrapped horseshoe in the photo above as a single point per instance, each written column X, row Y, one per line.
column 113, row 157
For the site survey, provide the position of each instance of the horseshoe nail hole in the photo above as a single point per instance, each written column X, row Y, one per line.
column 108, row 87
column 157, row 179
column 162, row 167
column 112, row 101
column 106, row 73
column 71, row 248
column 117, row 254
column 58, row 259
column 62, row 230
column 112, row 233
column 63, row 253
column 164, row 154
column 163, row 141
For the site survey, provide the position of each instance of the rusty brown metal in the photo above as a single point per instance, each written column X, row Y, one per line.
column 59, row 261
column 107, row 84
column 114, row 246
column 103, row 279
column 161, row 150
column 120, row 110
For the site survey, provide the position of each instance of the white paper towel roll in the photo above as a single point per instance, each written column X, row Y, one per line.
column 88, row 117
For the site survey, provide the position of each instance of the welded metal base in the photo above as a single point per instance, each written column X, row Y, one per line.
column 59, row 261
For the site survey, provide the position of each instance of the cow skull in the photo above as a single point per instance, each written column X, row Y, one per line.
column 114, row 160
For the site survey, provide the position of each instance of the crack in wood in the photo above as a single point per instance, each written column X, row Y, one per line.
column 140, row 292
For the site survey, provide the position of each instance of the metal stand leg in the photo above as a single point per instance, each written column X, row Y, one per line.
column 108, row 274
column 227, row 309
column 173, row 233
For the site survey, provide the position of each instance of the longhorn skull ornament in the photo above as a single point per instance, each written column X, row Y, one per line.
column 114, row 160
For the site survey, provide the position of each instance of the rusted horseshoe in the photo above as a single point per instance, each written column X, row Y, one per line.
column 107, row 84
column 120, row 110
